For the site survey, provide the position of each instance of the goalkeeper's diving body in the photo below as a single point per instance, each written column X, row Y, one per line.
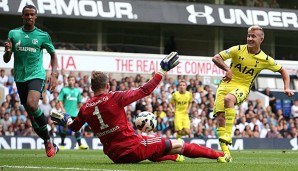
column 106, row 116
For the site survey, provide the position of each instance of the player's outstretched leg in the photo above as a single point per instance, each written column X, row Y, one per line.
column 195, row 151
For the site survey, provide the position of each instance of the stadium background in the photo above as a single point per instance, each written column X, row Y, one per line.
column 158, row 27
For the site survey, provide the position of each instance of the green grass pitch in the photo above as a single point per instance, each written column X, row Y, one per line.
column 95, row 160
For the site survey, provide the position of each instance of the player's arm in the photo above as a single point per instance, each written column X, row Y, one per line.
column 219, row 62
column 79, row 97
column 61, row 106
column 54, row 74
column 190, row 103
column 286, row 79
column 172, row 103
column 54, row 63
column 79, row 105
column 48, row 45
column 189, row 107
column 60, row 100
column 8, row 52
column 127, row 97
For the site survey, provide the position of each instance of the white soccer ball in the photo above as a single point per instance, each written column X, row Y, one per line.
column 145, row 121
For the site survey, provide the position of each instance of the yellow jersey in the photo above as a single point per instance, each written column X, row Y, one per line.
column 181, row 102
column 246, row 66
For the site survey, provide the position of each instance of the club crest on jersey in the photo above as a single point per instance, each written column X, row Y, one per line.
column 34, row 41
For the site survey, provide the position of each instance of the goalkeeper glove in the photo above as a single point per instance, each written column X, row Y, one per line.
column 169, row 62
column 61, row 118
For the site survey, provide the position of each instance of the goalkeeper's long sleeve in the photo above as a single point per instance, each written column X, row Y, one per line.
column 127, row 97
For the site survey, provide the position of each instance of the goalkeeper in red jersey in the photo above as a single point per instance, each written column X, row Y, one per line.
column 105, row 114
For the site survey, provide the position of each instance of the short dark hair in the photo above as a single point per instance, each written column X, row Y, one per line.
column 30, row 7
column 71, row 76
column 98, row 80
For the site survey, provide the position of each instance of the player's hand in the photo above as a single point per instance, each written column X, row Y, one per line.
column 289, row 92
column 8, row 45
column 170, row 61
column 53, row 81
column 61, row 118
column 228, row 76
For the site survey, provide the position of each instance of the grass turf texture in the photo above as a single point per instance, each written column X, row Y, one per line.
column 95, row 160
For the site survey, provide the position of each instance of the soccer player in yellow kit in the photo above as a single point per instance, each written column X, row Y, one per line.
column 247, row 61
column 181, row 100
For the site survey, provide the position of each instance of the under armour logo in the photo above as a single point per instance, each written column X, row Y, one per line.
column 256, row 63
column 193, row 14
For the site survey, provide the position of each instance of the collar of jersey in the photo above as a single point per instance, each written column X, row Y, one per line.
column 27, row 30
column 252, row 53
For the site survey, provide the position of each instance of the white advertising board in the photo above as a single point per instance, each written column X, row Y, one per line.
column 135, row 63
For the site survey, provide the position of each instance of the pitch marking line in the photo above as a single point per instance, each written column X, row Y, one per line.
column 53, row 168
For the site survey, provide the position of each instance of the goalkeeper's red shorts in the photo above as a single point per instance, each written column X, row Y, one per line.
column 151, row 148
